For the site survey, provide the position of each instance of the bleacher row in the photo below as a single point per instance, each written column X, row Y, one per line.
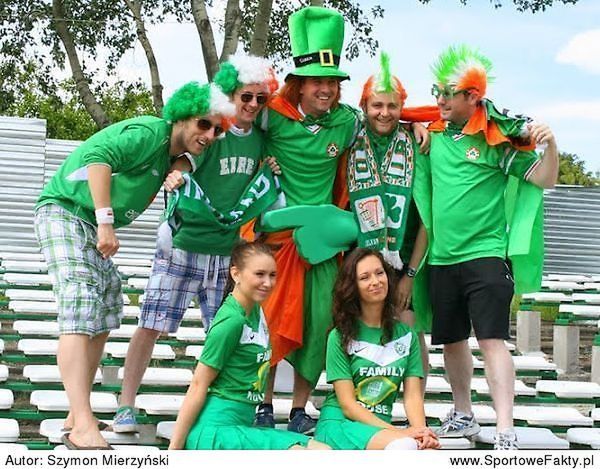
column 549, row 413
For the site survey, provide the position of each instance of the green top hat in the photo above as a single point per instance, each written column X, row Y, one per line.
column 317, row 37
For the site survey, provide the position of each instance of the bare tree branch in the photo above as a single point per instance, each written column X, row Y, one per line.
column 233, row 20
column 207, row 38
column 157, row 88
column 261, row 30
column 83, row 88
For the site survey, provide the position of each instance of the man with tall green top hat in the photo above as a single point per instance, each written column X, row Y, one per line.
column 308, row 131
column 479, row 194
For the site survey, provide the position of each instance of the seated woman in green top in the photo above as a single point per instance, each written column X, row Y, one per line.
column 369, row 355
column 230, row 379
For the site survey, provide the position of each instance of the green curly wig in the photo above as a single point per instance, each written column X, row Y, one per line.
column 192, row 99
column 227, row 78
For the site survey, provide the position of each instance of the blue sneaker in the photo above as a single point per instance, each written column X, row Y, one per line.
column 264, row 418
column 125, row 421
column 302, row 423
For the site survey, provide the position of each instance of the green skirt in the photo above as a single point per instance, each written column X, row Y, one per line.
column 227, row 424
column 339, row 432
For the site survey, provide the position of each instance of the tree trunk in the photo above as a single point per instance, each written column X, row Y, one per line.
column 157, row 87
column 92, row 106
column 316, row 3
column 261, row 28
column 207, row 39
column 233, row 20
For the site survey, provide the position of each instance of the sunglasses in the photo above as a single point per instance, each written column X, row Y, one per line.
column 447, row 92
column 248, row 97
column 205, row 124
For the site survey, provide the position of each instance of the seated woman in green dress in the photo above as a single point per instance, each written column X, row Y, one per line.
column 229, row 381
column 369, row 356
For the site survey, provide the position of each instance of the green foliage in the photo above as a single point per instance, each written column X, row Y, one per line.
column 523, row 5
column 572, row 171
column 65, row 115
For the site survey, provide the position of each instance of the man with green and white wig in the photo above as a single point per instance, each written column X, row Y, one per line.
column 193, row 250
column 106, row 183
column 479, row 194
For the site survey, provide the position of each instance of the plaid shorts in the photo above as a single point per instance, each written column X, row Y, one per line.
column 177, row 277
column 87, row 287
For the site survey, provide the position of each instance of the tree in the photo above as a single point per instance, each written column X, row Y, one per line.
column 572, row 171
column 523, row 5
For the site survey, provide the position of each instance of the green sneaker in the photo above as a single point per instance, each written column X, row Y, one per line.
column 125, row 421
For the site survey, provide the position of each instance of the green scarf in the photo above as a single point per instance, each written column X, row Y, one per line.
column 380, row 185
column 187, row 202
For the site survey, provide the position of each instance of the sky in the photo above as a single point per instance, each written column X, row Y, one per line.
column 546, row 65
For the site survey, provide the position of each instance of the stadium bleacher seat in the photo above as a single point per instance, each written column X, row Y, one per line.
column 159, row 404
column 9, row 430
column 569, row 389
column 102, row 402
column 164, row 376
column 528, row 438
column 551, row 416
column 584, row 437
column 3, row 373
column 119, row 350
column 7, row 399
column 49, row 374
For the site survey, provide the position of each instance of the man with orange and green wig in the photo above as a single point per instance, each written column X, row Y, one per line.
column 480, row 196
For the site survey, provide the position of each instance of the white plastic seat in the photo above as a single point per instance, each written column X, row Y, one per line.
column 484, row 414
column 282, row 408
column 12, row 447
column 131, row 311
column 472, row 342
column 569, row 278
column 164, row 376
column 132, row 261
column 592, row 286
column 3, row 373
column 190, row 334
column 9, row 430
column 284, row 378
column 137, row 283
column 192, row 314
column 527, row 438
column 194, row 351
column 37, row 307
column 455, row 443
column 22, row 294
column 584, row 436
column 38, row 346
column 551, row 416
column 548, row 297
column 45, row 328
column 562, row 286
column 27, row 279
column 480, row 386
column 29, row 295
column 7, row 399
column 437, row 385
column 119, row 350
column 569, row 389
column 165, row 430
column 49, row 374
column 125, row 331
column 436, row 360
column 159, row 404
column 596, row 414
column 21, row 256
column 25, row 266
column 592, row 298
column 532, row 363
column 1, row 346
column 135, row 271
column 103, row 402
column 590, row 311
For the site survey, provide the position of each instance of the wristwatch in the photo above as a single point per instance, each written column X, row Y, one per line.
column 410, row 272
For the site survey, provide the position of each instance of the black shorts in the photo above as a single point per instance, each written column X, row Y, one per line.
column 476, row 292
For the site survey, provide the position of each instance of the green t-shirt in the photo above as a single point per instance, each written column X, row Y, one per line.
column 308, row 154
column 376, row 370
column 137, row 151
column 469, row 178
column 238, row 347
column 224, row 170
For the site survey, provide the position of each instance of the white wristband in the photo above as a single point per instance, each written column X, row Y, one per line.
column 105, row 216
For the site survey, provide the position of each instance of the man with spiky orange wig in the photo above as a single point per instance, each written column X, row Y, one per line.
column 478, row 159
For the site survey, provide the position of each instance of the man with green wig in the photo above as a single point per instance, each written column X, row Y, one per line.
column 105, row 184
column 479, row 194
